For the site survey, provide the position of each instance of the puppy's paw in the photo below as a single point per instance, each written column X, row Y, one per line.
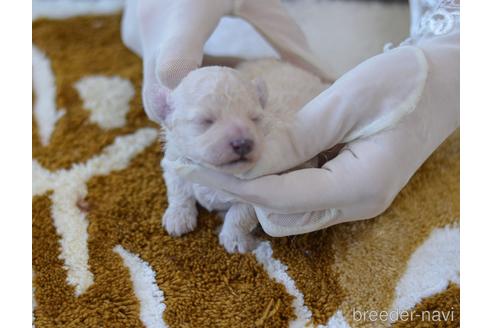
column 179, row 220
column 236, row 240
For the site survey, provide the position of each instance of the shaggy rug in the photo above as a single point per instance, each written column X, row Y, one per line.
column 102, row 259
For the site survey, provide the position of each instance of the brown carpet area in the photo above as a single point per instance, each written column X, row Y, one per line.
column 354, row 266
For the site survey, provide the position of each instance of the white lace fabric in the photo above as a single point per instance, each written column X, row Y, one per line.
column 433, row 18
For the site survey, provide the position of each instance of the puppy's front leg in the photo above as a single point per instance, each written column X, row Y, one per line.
column 236, row 235
column 181, row 214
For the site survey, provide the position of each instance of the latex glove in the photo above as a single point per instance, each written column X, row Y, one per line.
column 392, row 110
column 169, row 35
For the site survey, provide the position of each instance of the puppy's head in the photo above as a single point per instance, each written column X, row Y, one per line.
column 214, row 118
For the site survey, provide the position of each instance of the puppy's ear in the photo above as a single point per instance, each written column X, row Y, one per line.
column 157, row 103
column 261, row 91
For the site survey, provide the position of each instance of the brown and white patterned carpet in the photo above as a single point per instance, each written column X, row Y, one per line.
column 102, row 259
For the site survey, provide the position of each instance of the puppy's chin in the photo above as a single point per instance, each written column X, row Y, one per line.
column 233, row 167
column 236, row 167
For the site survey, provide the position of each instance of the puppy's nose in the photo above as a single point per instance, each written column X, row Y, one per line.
column 242, row 146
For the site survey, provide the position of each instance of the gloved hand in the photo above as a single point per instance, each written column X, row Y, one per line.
column 392, row 111
column 169, row 35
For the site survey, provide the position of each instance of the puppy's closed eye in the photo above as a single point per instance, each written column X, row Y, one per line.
column 257, row 118
column 207, row 121
column 204, row 123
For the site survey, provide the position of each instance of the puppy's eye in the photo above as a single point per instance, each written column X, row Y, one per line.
column 207, row 121
column 257, row 119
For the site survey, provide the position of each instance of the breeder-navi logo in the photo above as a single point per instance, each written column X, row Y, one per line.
column 392, row 316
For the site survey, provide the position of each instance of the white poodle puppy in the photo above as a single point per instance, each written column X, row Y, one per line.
column 219, row 117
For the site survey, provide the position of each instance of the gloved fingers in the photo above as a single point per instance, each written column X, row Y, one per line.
column 372, row 97
column 154, row 94
column 130, row 27
column 280, row 225
column 182, row 51
column 178, row 30
column 359, row 177
column 175, row 32
column 171, row 38
column 273, row 22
